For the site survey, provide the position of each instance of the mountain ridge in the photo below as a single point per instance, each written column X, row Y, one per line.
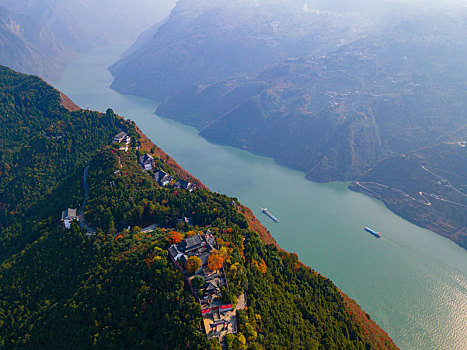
column 41, row 36
column 116, row 282
column 248, row 36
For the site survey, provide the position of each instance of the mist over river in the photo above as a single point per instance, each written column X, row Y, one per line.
column 411, row 281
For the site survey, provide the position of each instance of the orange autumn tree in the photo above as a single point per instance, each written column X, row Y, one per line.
column 262, row 266
column 215, row 261
column 191, row 233
column 174, row 237
column 254, row 265
column 192, row 265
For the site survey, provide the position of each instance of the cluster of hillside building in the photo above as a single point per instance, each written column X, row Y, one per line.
column 123, row 139
column 219, row 319
column 148, row 163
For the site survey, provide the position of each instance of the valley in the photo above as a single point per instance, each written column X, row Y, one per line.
column 335, row 107
column 393, row 278
column 133, row 189
column 113, row 285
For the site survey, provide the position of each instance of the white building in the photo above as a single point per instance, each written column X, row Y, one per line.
column 69, row 215
column 122, row 137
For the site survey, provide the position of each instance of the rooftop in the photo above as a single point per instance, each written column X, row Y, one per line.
column 191, row 242
column 120, row 135
column 69, row 213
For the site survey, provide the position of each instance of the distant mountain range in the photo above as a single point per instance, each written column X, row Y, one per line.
column 327, row 93
column 207, row 41
column 26, row 45
column 41, row 36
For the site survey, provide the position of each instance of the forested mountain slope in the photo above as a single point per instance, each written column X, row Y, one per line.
column 427, row 186
column 43, row 148
column 116, row 288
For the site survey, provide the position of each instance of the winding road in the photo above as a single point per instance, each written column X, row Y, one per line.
column 86, row 189
column 82, row 221
column 422, row 194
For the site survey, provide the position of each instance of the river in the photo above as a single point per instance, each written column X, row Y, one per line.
column 412, row 282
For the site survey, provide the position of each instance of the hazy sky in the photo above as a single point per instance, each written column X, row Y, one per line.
column 159, row 9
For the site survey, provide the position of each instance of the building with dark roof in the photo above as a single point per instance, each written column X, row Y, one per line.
column 212, row 287
column 146, row 161
column 174, row 252
column 204, row 258
column 162, row 178
column 122, row 137
column 183, row 259
column 191, row 244
column 185, row 185
column 210, row 240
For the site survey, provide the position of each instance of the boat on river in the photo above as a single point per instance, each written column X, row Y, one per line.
column 273, row 218
column 373, row 232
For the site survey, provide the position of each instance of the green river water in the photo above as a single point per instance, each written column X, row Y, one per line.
column 412, row 282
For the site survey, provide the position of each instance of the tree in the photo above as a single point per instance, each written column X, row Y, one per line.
column 192, row 264
column 215, row 261
column 191, row 233
column 262, row 266
column 174, row 237
column 239, row 342
column 224, row 253
column 197, row 282
column 135, row 230
column 254, row 265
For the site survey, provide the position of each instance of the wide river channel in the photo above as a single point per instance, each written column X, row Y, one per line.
column 412, row 282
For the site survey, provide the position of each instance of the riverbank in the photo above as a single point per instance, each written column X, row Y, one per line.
column 412, row 282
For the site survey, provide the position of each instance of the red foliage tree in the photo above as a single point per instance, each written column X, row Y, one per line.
column 174, row 237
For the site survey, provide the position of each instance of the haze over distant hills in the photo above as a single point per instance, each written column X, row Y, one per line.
column 322, row 91
column 35, row 44
column 206, row 41
column 28, row 46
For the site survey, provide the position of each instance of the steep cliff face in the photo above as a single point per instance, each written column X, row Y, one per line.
column 28, row 47
column 41, row 36
column 81, row 25
column 207, row 41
